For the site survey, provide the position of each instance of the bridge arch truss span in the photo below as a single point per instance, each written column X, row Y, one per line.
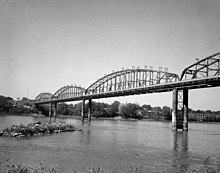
column 43, row 97
column 130, row 79
column 207, row 67
column 68, row 92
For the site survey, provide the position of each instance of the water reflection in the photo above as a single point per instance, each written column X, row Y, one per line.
column 180, row 141
column 180, row 150
column 88, row 136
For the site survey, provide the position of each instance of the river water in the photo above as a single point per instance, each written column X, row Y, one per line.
column 115, row 146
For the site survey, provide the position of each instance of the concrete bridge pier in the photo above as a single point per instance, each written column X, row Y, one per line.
column 89, row 110
column 174, row 110
column 82, row 110
column 50, row 111
column 55, row 111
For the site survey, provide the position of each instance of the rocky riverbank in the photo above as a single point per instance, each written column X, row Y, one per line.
column 37, row 129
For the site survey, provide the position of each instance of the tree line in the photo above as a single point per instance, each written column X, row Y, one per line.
column 128, row 110
column 132, row 110
column 19, row 106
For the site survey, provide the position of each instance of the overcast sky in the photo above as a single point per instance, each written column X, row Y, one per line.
column 46, row 44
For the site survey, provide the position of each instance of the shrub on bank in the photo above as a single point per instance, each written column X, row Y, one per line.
column 36, row 129
column 21, row 168
column 44, row 168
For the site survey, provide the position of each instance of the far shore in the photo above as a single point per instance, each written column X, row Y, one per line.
column 99, row 118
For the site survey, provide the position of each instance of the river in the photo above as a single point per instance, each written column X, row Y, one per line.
column 115, row 146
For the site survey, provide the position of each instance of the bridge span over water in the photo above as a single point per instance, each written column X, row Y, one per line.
column 204, row 73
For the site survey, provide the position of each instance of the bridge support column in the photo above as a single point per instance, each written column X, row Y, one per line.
column 55, row 111
column 82, row 110
column 50, row 111
column 89, row 110
column 185, row 109
column 174, row 111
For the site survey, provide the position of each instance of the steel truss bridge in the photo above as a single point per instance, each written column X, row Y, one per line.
column 204, row 73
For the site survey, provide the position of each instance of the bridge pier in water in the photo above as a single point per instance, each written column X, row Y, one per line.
column 89, row 110
column 83, row 110
column 185, row 109
column 180, row 109
column 50, row 110
column 53, row 110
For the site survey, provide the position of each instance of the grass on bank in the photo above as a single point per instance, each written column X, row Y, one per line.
column 43, row 168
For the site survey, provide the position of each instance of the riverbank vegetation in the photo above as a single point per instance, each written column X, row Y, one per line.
column 42, row 167
column 37, row 129
column 19, row 106
column 135, row 111
column 104, row 110
column 117, row 109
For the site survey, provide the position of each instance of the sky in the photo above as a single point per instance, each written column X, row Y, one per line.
column 46, row 44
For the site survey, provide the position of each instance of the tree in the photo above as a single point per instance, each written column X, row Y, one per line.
column 26, row 102
column 24, row 98
column 63, row 109
column 157, row 109
column 130, row 110
column 208, row 111
column 75, row 109
column 99, row 109
column 113, row 109
column 147, row 107
column 166, row 111
column 5, row 103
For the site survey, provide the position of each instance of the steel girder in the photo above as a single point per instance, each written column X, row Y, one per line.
column 43, row 96
column 207, row 67
column 130, row 79
column 68, row 92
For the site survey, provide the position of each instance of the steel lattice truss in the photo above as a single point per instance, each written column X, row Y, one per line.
column 130, row 79
column 202, row 74
column 44, row 96
column 180, row 105
column 68, row 92
column 207, row 67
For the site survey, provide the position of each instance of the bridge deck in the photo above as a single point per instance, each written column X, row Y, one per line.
column 167, row 87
